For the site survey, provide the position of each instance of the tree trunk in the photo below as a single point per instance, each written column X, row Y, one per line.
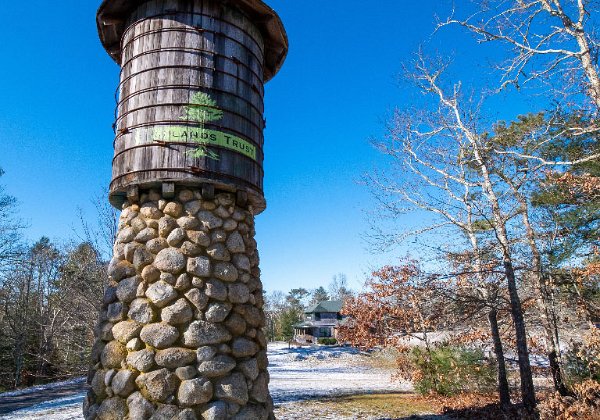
column 548, row 320
column 527, row 388
column 503, row 390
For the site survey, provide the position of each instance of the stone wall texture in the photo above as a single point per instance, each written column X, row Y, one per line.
column 180, row 333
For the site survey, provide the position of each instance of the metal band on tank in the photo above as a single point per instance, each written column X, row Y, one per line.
column 175, row 87
column 192, row 172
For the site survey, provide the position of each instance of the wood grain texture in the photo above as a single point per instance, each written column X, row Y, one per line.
column 170, row 51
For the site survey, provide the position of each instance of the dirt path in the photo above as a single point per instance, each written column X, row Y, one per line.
column 297, row 374
column 32, row 397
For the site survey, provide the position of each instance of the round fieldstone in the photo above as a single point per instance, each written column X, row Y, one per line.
column 175, row 357
column 229, row 225
column 218, row 252
column 242, row 262
column 262, row 360
column 118, row 270
column 170, row 260
column 158, row 385
column 150, row 274
column 183, row 282
column 222, row 212
column 194, row 392
column 178, row 313
column 216, row 411
column 236, row 324
column 205, row 353
column 252, row 412
column 218, row 236
column 159, row 335
column 125, row 235
column 166, row 226
column 156, row 245
column 249, row 368
column 141, row 258
column 166, row 411
column 110, row 295
column 226, row 271
column 97, row 350
column 197, row 298
column 186, row 195
column 209, row 220
column 168, row 278
column 243, row 347
column 116, row 312
column 141, row 311
column 235, row 243
column 150, row 211
column 134, row 344
column 146, row 235
column 97, row 384
column 199, row 266
column 186, row 372
column 138, row 224
column 113, row 354
column 260, row 388
column 139, row 407
column 238, row 215
column 239, row 293
column 232, row 388
column 219, row 366
column 104, row 331
column 193, row 207
column 225, row 199
column 188, row 223
column 161, row 294
column 112, row 409
column 209, row 205
column 127, row 289
column 123, row 383
column 217, row 312
column 190, row 249
column 129, row 250
column 216, row 290
column 176, row 237
column 201, row 333
column 110, row 374
column 253, row 316
column 126, row 330
column 173, row 209
column 142, row 360
column 199, row 237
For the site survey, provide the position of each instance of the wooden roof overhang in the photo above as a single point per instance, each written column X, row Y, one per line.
column 112, row 16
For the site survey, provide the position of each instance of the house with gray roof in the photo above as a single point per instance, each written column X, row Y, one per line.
column 320, row 321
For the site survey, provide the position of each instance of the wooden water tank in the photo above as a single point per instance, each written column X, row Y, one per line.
column 190, row 97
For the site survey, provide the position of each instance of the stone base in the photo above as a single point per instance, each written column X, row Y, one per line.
column 179, row 335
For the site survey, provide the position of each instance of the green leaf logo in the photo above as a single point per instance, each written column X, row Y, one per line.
column 202, row 109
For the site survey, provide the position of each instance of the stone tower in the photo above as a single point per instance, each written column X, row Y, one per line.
column 180, row 333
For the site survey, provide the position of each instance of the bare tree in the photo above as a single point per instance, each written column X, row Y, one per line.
column 11, row 241
column 338, row 288
column 103, row 232
column 547, row 40
column 448, row 155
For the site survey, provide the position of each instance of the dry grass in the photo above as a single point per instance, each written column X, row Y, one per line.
column 372, row 406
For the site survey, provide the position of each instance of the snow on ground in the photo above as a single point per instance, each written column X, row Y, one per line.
column 296, row 374
column 38, row 388
column 305, row 373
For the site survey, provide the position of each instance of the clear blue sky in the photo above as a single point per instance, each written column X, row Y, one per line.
column 331, row 97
